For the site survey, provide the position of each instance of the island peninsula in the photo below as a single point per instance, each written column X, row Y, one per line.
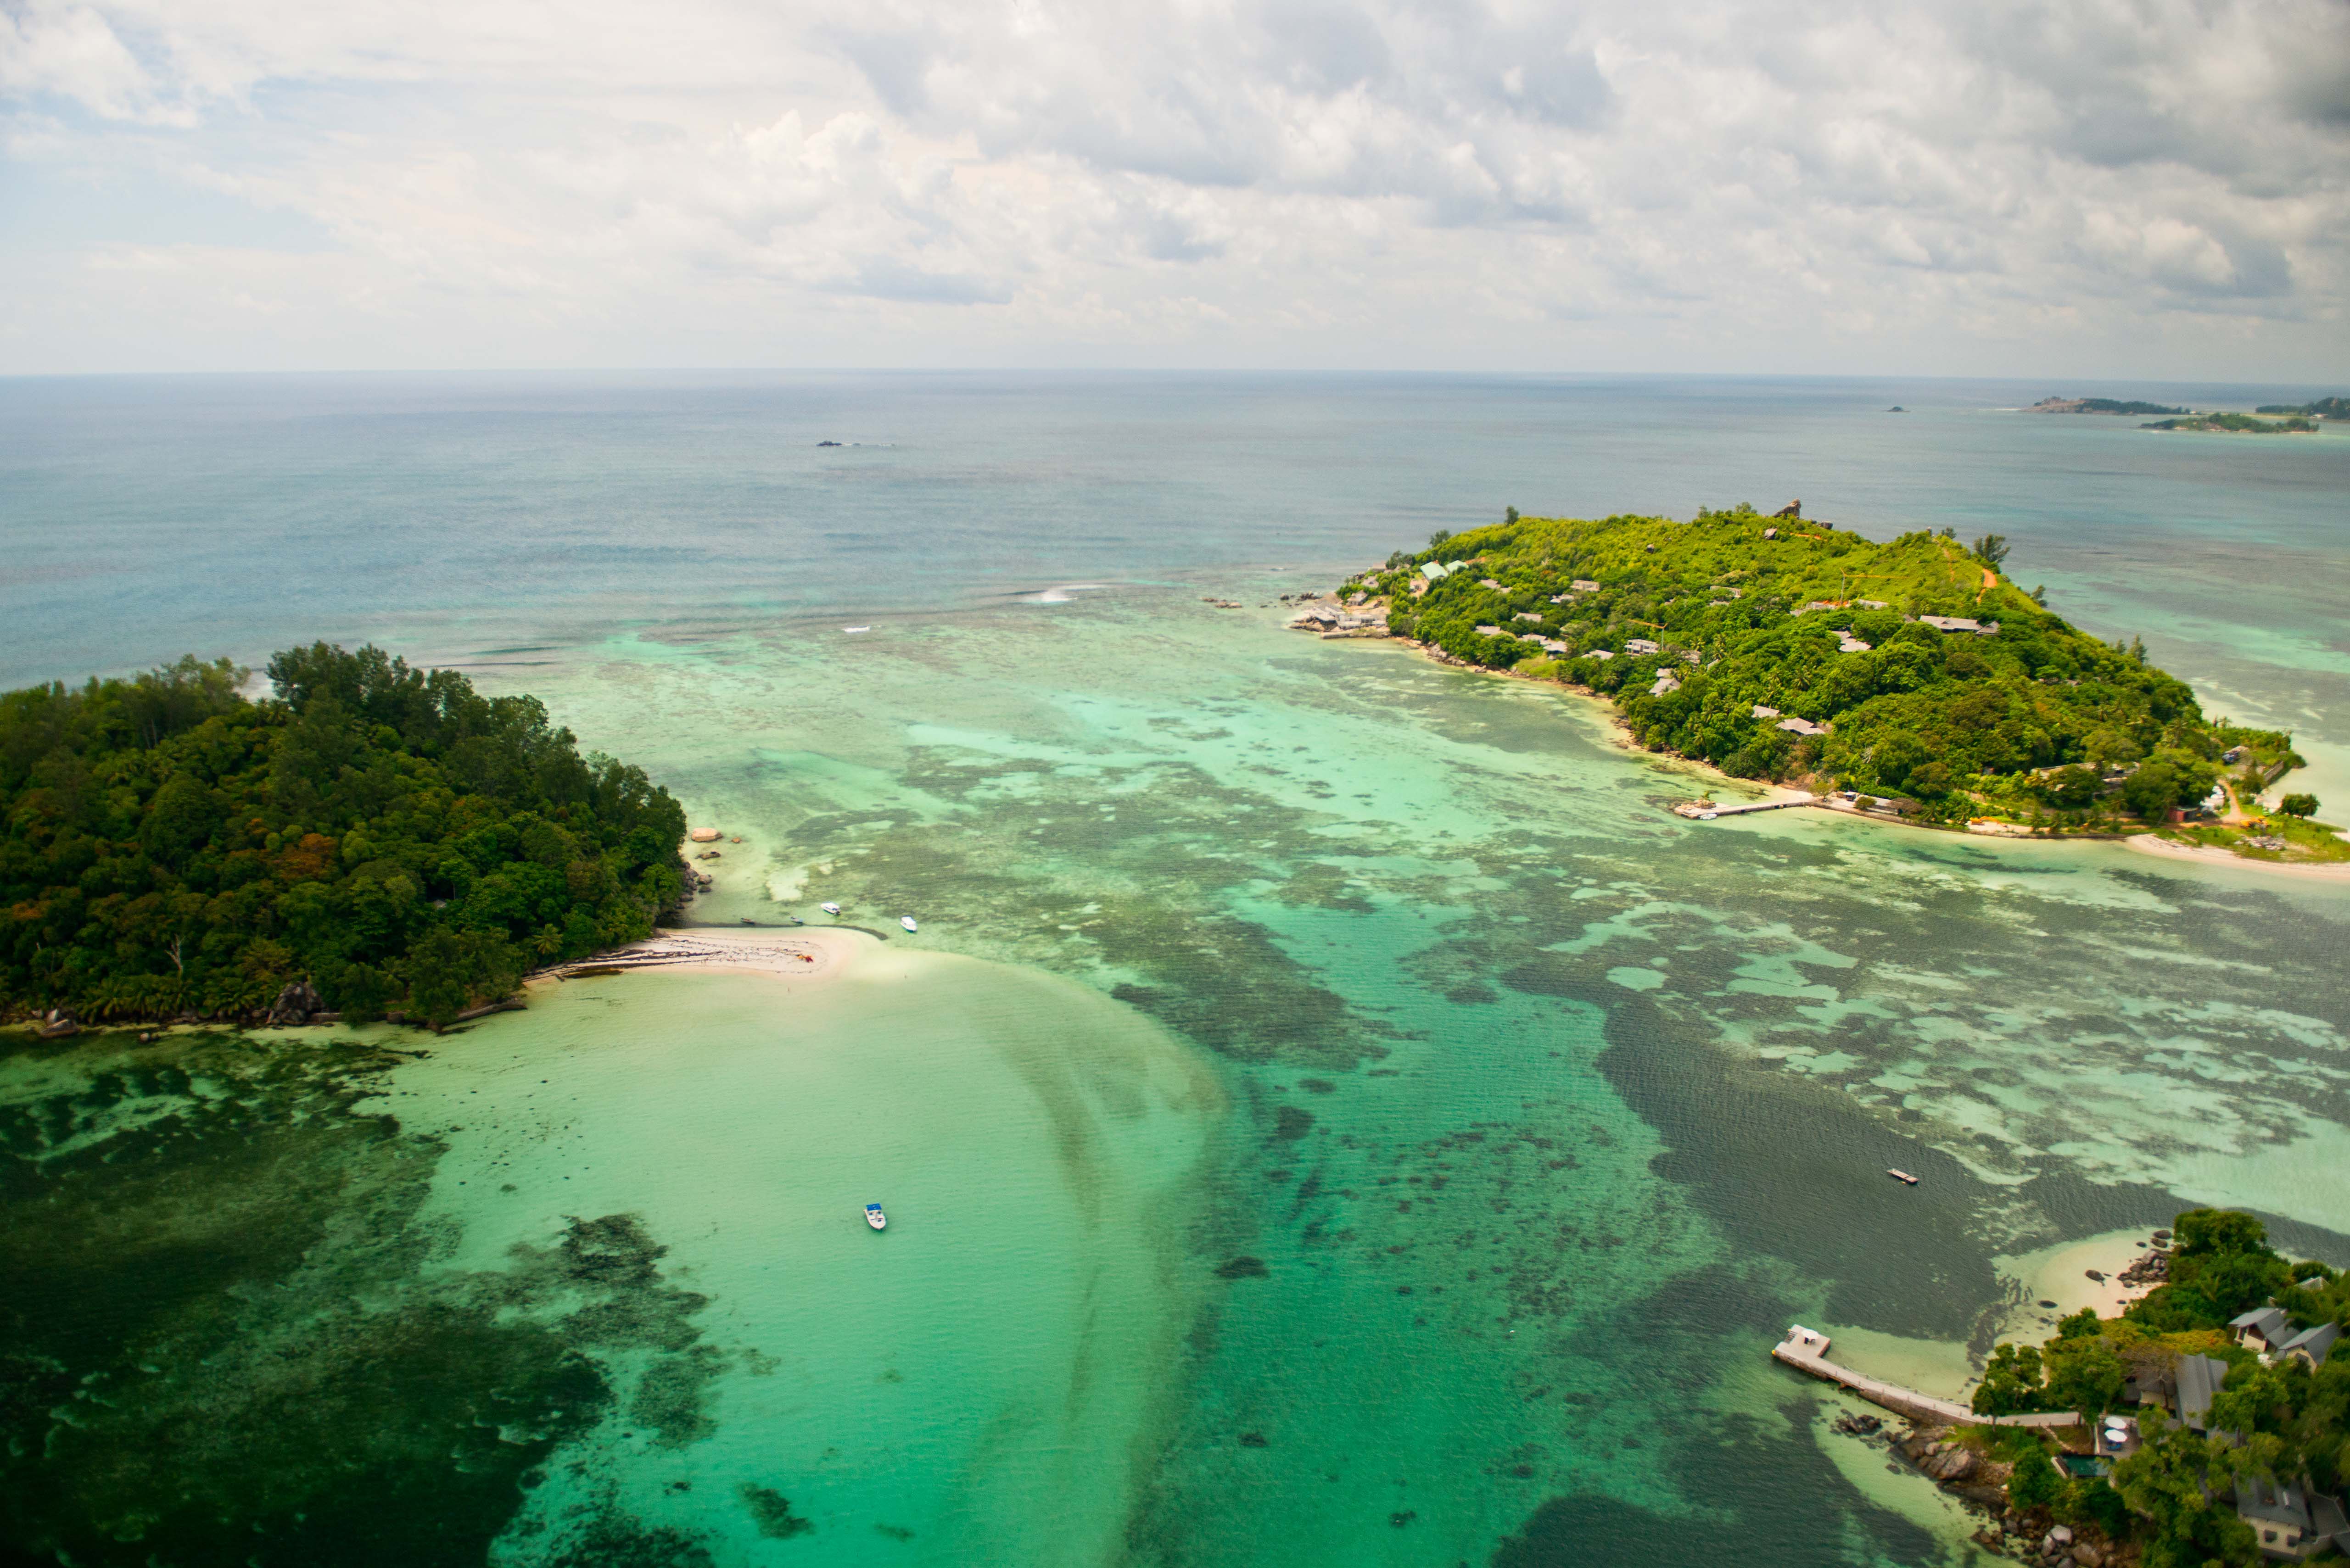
column 1909, row 678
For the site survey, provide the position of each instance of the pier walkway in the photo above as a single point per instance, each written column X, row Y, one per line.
column 1708, row 813
column 1806, row 1350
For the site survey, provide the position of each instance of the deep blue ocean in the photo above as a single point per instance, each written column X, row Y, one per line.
column 143, row 517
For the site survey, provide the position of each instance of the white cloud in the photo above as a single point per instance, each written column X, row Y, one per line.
column 1770, row 183
column 71, row 52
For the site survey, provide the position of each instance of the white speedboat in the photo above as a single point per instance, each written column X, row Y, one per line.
column 907, row 921
column 830, row 908
column 853, row 630
column 874, row 1217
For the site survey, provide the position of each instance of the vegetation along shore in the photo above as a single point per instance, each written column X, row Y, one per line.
column 369, row 841
column 1909, row 680
column 2236, row 424
column 2205, row 1424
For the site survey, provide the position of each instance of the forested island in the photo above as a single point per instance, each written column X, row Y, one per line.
column 2098, row 406
column 371, row 839
column 2321, row 409
column 2236, row 424
column 1785, row 649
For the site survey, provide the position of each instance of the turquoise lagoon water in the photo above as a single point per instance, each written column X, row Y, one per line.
column 1330, row 1112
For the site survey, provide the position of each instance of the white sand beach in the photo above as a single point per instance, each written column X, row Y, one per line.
column 808, row 956
column 2149, row 843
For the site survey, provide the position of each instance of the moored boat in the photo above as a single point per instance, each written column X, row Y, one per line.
column 830, row 908
column 1903, row 1177
column 907, row 921
column 874, row 1217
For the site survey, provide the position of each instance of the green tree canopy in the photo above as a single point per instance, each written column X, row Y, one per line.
column 2035, row 1482
column 1905, row 671
column 2221, row 1264
column 2178, row 1481
column 2084, row 1374
column 385, row 832
column 2011, row 1383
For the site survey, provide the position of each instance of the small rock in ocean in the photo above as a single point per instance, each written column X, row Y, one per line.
column 1243, row 1268
column 1402, row 1518
column 2095, row 1275
column 1253, row 1441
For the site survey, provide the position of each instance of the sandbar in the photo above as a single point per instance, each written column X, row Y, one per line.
column 800, row 953
column 2150, row 843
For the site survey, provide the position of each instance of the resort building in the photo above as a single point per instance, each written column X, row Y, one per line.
column 2290, row 1522
column 2199, row 1378
column 2263, row 1328
column 2311, row 1345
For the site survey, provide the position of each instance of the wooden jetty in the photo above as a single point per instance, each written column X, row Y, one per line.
column 1806, row 1350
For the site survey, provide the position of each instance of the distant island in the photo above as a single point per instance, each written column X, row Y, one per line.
column 2098, row 406
column 1908, row 678
column 2323, row 409
column 2235, row 424
column 372, row 840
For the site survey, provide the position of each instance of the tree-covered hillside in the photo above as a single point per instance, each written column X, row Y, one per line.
column 386, row 834
column 1783, row 649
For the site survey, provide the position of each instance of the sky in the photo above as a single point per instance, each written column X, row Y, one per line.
column 2150, row 189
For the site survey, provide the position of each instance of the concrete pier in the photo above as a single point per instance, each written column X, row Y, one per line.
column 1806, row 1350
column 1708, row 813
